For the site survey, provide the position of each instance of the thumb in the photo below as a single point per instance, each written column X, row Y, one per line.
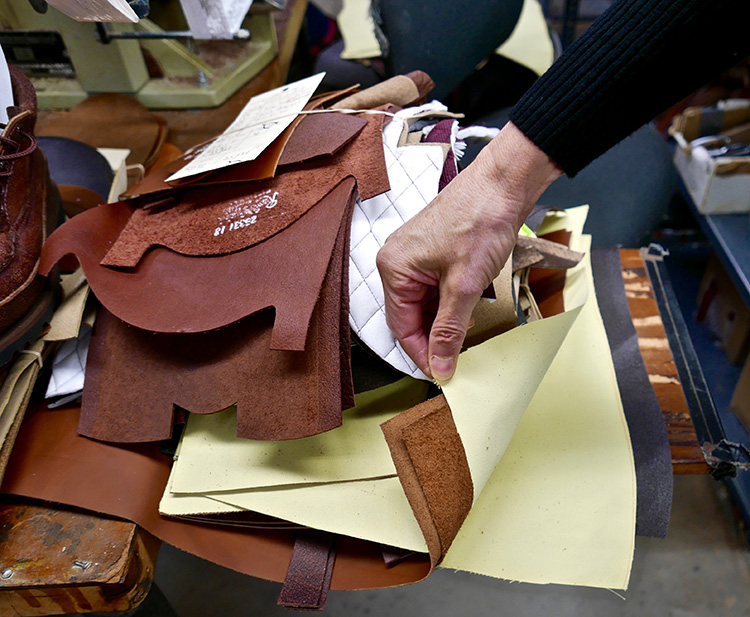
column 449, row 330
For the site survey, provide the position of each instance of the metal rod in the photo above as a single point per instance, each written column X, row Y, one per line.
column 106, row 36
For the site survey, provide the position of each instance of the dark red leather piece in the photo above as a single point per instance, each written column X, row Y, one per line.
column 308, row 578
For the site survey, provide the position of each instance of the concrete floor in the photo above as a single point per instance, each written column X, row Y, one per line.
column 701, row 569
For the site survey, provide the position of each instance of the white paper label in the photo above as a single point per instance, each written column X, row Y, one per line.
column 261, row 121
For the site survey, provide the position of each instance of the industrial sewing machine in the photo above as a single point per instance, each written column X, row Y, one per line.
column 158, row 60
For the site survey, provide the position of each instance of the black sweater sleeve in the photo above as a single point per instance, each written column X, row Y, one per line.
column 639, row 58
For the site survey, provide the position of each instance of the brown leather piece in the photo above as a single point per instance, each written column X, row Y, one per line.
column 547, row 284
column 51, row 462
column 220, row 219
column 542, row 253
column 433, row 470
column 166, row 155
column 492, row 318
column 111, row 121
column 308, row 578
column 204, row 291
column 321, row 135
column 401, row 90
column 77, row 199
column 279, row 394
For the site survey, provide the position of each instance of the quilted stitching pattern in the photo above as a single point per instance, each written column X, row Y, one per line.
column 414, row 172
column 69, row 366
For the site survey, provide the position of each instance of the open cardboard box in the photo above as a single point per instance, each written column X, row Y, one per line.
column 717, row 185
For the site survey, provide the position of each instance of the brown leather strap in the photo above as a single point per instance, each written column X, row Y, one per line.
column 308, row 578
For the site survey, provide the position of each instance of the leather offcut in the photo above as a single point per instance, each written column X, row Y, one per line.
column 310, row 569
column 401, row 90
column 543, row 253
column 433, row 470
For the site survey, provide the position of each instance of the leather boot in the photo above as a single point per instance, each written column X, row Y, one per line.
column 29, row 206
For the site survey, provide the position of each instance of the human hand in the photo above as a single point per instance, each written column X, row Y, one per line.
column 436, row 266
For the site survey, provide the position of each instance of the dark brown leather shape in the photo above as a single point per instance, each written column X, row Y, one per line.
column 309, row 576
column 279, row 394
column 169, row 292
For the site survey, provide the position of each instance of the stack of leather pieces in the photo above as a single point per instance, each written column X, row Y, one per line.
column 232, row 290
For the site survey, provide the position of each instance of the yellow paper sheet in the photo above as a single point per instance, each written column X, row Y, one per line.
column 530, row 43
column 358, row 30
column 560, row 506
column 212, row 458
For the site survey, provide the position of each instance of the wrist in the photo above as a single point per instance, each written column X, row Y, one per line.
column 519, row 169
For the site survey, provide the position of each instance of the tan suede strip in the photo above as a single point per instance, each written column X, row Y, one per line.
column 432, row 467
column 493, row 317
column 542, row 253
column 400, row 90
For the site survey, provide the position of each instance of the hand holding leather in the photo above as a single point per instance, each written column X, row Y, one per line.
column 435, row 267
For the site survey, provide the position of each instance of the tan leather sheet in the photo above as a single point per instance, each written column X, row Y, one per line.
column 401, row 90
column 110, row 121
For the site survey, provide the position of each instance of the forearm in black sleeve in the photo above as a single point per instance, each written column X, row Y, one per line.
column 639, row 58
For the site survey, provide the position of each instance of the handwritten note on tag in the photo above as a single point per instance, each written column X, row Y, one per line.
column 261, row 121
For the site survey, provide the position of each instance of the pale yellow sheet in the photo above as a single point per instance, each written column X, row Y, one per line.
column 560, row 506
column 212, row 458
column 530, row 43
column 358, row 30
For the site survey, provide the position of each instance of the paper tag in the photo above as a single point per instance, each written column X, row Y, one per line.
column 261, row 121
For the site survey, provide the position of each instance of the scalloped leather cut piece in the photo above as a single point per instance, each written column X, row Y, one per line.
column 154, row 186
column 278, row 394
column 169, row 292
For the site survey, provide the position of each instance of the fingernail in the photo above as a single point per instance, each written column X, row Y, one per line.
column 442, row 368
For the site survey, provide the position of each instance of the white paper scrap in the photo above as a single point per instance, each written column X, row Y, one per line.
column 261, row 121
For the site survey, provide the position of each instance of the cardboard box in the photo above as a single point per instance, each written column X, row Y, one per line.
column 722, row 308
column 717, row 185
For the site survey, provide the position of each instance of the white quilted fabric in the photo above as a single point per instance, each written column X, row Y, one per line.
column 69, row 366
column 414, row 173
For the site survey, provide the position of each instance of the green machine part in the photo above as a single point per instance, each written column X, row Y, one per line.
column 194, row 74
